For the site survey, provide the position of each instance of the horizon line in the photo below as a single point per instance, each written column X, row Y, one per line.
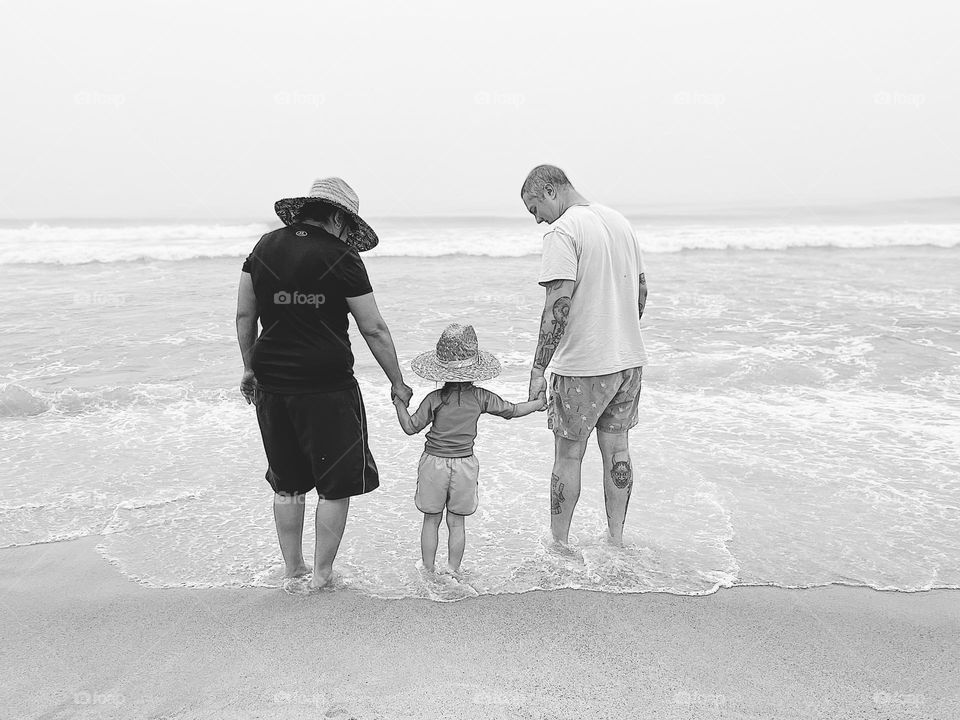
column 652, row 209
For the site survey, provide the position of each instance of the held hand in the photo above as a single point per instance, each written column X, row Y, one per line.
column 403, row 392
column 538, row 386
column 543, row 402
column 248, row 387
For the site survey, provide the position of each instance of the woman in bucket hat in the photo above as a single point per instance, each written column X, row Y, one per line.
column 448, row 470
column 301, row 282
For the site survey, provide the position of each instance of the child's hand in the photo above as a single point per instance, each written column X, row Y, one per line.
column 542, row 402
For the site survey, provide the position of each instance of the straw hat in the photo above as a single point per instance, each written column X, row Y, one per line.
column 336, row 192
column 457, row 358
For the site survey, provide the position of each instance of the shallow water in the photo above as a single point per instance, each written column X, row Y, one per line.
column 800, row 425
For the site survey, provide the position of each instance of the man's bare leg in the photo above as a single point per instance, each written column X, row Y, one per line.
column 565, row 485
column 617, row 480
column 288, row 515
column 457, row 540
column 331, row 520
column 429, row 539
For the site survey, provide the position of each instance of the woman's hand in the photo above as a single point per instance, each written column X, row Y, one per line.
column 403, row 392
column 248, row 387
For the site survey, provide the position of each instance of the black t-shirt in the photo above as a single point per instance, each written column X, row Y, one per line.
column 302, row 276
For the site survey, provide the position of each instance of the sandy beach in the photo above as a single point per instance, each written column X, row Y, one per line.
column 80, row 640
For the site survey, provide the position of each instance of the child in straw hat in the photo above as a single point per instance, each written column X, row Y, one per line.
column 448, row 470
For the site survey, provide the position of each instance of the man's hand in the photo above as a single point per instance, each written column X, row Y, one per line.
column 402, row 391
column 248, row 387
column 538, row 385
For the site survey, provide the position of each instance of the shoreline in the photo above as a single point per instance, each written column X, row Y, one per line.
column 93, row 539
column 81, row 640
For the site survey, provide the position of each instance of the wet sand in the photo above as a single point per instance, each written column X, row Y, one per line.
column 80, row 640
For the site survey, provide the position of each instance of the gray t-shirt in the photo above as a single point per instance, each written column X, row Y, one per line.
column 454, row 421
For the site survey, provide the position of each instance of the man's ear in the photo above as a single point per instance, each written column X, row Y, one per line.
column 549, row 191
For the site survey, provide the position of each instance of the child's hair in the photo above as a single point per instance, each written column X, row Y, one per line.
column 447, row 390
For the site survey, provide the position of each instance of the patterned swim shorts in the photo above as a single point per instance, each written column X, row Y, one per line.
column 609, row 403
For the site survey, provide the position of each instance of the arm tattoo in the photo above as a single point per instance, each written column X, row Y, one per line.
column 552, row 328
column 642, row 302
column 622, row 474
column 556, row 495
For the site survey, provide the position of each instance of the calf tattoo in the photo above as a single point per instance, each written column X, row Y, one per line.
column 556, row 495
column 622, row 474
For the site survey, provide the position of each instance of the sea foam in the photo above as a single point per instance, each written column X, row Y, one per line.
column 71, row 245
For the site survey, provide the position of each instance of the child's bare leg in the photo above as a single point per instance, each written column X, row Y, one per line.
column 457, row 540
column 429, row 539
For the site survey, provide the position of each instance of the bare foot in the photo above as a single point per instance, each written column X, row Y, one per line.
column 560, row 549
column 304, row 569
column 427, row 574
column 320, row 580
column 616, row 541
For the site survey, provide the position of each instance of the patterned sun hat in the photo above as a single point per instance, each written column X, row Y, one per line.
column 458, row 358
column 336, row 192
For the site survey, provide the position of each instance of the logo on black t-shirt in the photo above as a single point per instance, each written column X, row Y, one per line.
column 298, row 298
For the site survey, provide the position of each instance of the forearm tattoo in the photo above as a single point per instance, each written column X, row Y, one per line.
column 556, row 495
column 551, row 335
column 643, row 293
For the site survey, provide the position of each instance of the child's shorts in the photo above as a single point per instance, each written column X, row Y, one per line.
column 447, row 482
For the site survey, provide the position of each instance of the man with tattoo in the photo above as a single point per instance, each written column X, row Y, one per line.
column 596, row 291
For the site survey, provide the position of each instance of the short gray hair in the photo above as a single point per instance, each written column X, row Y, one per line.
column 540, row 177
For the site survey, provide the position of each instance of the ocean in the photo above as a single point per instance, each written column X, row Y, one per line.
column 800, row 416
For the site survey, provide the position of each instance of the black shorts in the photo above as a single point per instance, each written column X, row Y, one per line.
column 317, row 440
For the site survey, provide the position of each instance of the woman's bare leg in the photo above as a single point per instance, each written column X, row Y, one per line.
column 331, row 521
column 288, row 515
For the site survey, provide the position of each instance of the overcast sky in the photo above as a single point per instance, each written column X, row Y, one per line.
column 180, row 110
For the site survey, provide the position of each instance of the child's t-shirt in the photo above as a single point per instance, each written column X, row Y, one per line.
column 454, row 422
